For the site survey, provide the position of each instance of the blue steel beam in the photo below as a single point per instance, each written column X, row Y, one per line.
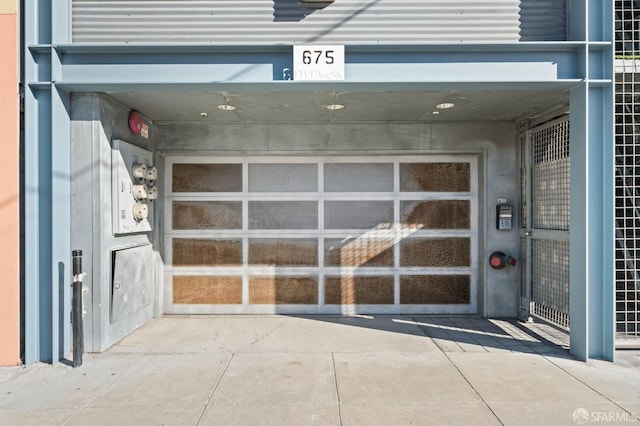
column 313, row 86
column 47, row 225
column 61, row 220
column 33, row 240
column 361, row 67
column 47, row 198
column 591, row 290
column 60, row 186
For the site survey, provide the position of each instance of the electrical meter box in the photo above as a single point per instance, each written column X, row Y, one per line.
column 133, row 178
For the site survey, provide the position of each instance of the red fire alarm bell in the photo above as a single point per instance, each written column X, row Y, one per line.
column 135, row 122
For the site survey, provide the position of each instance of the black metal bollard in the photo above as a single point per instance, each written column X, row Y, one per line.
column 76, row 309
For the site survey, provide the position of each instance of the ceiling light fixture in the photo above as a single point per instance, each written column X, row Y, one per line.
column 445, row 105
column 334, row 107
column 226, row 107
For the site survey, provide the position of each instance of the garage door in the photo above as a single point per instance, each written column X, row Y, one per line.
column 330, row 235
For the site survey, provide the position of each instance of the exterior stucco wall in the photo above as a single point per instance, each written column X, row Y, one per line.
column 9, row 186
column 495, row 145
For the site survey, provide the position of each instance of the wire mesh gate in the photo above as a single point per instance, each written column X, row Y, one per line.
column 627, row 209
column 545, row 222
column 627, row 182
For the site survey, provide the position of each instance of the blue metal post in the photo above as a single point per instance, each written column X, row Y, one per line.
column 47, row 185
column 32, row 226
column 591, row 245
column 61, row 219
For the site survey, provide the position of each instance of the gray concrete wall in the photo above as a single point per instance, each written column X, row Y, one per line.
column 96, row 121
column 494, row 143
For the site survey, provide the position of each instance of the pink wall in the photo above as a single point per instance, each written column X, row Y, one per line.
column 9, row 187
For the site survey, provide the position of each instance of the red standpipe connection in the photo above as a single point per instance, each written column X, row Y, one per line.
column 499, row 260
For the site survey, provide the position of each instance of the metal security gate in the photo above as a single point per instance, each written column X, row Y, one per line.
column 627, row 209
column 336, row 235
column 627, row 179
column 545, row 223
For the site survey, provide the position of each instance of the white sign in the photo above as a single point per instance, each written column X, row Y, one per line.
column 318, row 63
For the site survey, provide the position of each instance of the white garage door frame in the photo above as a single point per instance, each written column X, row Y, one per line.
column 396, row 231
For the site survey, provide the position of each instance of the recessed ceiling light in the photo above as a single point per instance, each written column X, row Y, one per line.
column 436, row 113
column 334, row 107
column 203, row 114
column 445, row 105
column 226, row 107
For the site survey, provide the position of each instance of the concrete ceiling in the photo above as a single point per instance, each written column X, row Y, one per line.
column 294, row 106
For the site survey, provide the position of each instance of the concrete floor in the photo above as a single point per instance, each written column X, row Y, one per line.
column 324, row 370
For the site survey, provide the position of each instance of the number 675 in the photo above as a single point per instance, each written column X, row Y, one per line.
column 315, row 56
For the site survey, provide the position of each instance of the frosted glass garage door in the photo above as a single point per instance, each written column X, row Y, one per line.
column 321, row 235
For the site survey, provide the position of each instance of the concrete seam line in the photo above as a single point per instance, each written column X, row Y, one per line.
column 586, row 384
column 335, row 380
column 474, row 389
column 215, row 387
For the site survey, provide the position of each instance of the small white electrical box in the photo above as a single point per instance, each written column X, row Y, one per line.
column 133, row 178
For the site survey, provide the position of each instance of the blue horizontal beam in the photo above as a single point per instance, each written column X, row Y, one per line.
column 393, row 48
column 124, row 65
column 287, row 86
